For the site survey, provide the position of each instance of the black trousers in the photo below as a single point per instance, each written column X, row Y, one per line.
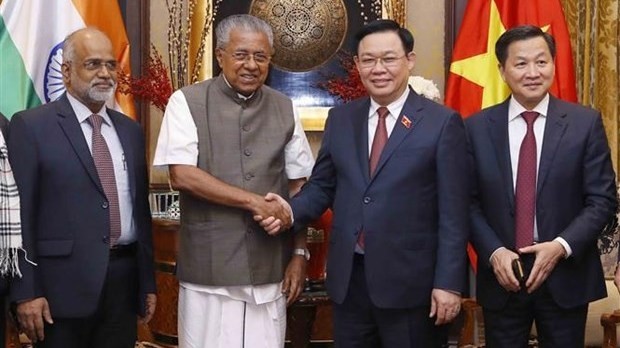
column 360, row 324
column 558, row 327
column 114, row 323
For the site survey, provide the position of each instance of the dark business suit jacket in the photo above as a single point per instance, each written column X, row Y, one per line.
column 413, row 210
column 575, row 197
column 65, row 222
column 4, row 125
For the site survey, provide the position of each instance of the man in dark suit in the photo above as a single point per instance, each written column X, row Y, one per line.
column 391, row 167
column 544, row 188
column 81, row 171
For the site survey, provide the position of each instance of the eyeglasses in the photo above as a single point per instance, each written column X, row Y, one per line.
column 244, row 57
column 96, row 64
column 371, row 62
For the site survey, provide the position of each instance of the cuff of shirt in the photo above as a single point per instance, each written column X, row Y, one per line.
column 493, row 253
column 567, row 248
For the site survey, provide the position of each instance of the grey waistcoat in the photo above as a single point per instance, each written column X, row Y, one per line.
column 240, row 142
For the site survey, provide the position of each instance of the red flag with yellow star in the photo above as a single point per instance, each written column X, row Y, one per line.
column 474, row 81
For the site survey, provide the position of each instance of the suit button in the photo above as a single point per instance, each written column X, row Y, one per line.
column 104, row 205
column 247, row 152
column 246, row 128
column 249, row 230
column 367, row 200
column 249, row 176
column 105, row 239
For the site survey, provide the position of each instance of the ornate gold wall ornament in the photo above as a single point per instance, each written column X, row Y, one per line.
column 396, row 11
column 307, row 33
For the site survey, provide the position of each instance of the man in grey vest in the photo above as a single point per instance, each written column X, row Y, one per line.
column 227, row 142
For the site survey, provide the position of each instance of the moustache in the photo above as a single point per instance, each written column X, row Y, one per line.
column 105, row 82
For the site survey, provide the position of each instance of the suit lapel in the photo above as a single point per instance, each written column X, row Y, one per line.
column 498, row 132
column 73, row 131
column 411, row 110
column 360, row 132
column 554, row 130
column 124, row 135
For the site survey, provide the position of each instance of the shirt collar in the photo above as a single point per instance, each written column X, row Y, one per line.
column 238, row 94
column 515, row 109
column 394, row 107
column 82, row 112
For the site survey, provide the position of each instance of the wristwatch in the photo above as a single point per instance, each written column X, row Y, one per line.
column 302, row 252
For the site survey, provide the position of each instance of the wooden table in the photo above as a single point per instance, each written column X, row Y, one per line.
column 302, row 326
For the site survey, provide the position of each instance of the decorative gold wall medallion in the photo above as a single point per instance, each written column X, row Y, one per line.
column 307, row 33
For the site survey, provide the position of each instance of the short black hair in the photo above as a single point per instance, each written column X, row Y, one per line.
column 522, row 32
column 382, row 25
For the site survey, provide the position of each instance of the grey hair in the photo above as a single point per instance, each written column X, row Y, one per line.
column 68, row 46
column 243, row 22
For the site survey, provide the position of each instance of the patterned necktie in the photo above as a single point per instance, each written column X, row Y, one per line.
column 379, row 140
column 525, row 191
column 105, row 169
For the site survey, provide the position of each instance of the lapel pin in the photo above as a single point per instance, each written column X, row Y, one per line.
column 406, row 122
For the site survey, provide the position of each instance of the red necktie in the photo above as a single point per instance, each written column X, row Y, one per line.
column 105, row 169
column 379, row 140
column 525, row 191
column 378, row 144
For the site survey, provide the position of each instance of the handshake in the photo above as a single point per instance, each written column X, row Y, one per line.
column 273, row 213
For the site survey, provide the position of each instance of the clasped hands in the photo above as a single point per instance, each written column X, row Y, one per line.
column 273, row 213
column 547, row 255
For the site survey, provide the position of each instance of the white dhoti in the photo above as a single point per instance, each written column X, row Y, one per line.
column 231, row 317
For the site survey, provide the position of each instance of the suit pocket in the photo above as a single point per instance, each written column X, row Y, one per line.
column 54, row 247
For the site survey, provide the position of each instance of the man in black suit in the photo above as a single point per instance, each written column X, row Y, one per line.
column 81, row 171
column 390, row 166
column 544, row 188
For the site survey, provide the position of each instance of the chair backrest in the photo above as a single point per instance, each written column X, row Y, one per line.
column 594, row 330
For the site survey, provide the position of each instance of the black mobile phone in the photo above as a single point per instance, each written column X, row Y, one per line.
column 519, row 271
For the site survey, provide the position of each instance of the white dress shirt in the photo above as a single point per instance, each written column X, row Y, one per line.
column 394, row 107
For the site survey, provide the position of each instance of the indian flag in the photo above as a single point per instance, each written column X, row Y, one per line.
column 31, row 37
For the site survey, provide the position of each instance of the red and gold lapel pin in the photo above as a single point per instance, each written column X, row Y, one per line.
column 406, row 122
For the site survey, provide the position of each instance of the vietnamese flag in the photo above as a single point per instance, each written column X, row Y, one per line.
column 474, row 81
